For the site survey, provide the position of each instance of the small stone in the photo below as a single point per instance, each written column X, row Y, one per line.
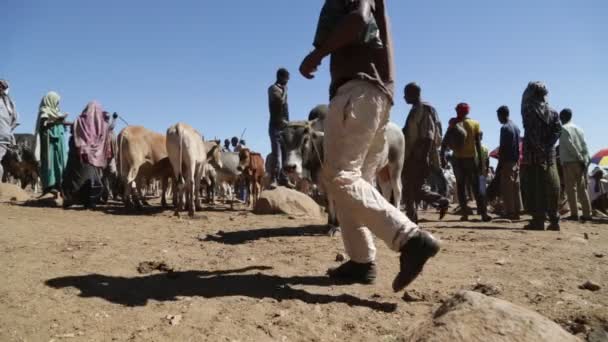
column 201, row 237
column 586, row 236
column 340, row 257
column 174, row 319
column 590, row 285
column 486, row 289
column 291, row 217
column 231, row 218
column 501, row 262
column 598, row 255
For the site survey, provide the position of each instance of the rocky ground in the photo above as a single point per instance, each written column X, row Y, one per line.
column 226, row 275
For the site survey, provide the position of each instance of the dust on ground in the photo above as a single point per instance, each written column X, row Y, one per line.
column 110, row 275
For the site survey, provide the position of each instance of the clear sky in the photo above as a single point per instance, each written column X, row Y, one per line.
column 209, row 63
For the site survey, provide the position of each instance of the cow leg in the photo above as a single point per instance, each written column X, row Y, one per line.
column 163, row 195
column 386, row 189
column 198, row 176
column 397, row 189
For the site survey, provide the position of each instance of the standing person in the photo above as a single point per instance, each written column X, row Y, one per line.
column 279, row 117
column 357, row 36
column 88, row 156
column 542, row 131
column 598, row 191
column 575, row 159
column 50, row 147
column 8, row 121
column 226, row 145
column 508, row 164
column 468, row 163
column 423, row 135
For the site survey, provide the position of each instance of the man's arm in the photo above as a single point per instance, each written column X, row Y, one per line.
column 275, row 99
column 346, row 32
column 504, row 143
column 479, row 152
column 585, row 149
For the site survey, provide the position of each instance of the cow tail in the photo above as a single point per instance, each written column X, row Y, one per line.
column 180, row 176
column 119, row 154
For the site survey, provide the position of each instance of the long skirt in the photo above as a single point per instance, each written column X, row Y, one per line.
column 53, row 157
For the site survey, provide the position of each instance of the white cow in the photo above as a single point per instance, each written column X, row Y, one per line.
column 188, row 154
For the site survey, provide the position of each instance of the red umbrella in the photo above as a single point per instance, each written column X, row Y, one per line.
column 601, row 158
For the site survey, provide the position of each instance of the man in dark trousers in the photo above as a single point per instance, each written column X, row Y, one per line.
column 508, row 165
column 542, row 131
column 356, row 34
column 279, row 117
column 423, row 137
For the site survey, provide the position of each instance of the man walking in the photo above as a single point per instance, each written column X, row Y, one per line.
column 542, row 131
column 357, row 36
column 8, row 121
column 468, row 163
column 508, row 165
column 575, row 159
column 423, row 136
column 279, row 117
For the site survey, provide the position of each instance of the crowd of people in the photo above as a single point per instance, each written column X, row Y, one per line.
column 70, row 165
column 357, row 37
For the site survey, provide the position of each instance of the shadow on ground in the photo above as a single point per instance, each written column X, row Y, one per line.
column 137, row 291
column 244, row 236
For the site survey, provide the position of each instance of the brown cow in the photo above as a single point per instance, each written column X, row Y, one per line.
column 142, row 156
column 252, row 166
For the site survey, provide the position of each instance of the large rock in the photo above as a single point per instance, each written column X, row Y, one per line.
column 286, row 201
column 471, row 316
column 12, row 193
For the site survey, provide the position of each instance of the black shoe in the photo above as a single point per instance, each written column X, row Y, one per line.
column 443, row 210
column 572, row 218
column 535, row 226
column 464, row 218
column 554, row 227
column 586, row 219
column 354, row 272
column 486, row 218
column 414, row 254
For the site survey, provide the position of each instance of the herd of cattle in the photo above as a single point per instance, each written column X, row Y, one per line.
column 184, row 162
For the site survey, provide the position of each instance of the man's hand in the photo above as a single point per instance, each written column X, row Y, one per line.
column 310, row 64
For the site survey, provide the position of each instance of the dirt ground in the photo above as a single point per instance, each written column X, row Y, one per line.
column 233, row 276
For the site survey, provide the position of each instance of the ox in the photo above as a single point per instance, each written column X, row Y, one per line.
column 142, row 156
column 252, row 166
column 189, row 154
column 303, row 148
column 20, row 163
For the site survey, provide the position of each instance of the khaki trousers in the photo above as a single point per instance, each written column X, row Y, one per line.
column 575, row 180
column 354, row 148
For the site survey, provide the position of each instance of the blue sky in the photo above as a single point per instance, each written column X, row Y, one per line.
column 209, row 63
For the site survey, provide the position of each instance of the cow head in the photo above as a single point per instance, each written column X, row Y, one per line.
column 214, row 153
column 298, row 143
column 244, row 159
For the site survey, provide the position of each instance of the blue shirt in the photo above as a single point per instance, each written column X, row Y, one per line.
column 509, row 142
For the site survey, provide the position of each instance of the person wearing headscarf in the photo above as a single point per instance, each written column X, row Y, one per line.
column 88, row 157
column 50, row 143
column 542, row 131
column 8, row 121
column 468, row 162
